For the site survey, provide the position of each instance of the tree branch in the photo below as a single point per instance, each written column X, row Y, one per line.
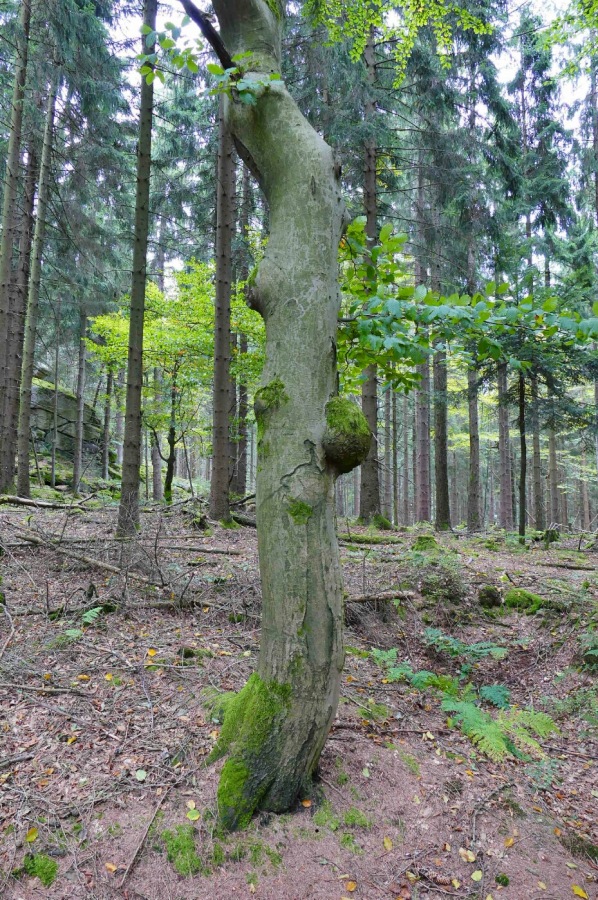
column 209, row 32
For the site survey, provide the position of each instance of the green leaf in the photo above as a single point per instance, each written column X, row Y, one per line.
column 193, row 815
column 215, row 69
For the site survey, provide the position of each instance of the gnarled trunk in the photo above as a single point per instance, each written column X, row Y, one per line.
column 275, row 728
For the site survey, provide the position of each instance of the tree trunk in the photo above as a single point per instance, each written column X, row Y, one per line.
column 219, row 487
column 16, row 331
column 388, row 454
column 474, row 521
column 539, row 513
column 78, row 454
column 504, row 452
column 239, row 485
column 369, row 495
column 24, row 429
column 443, row 514
column 395, row 461
column 553, row 478
column 171, row 441
column 106, row 430
column 406, row 516
column 523, row 457
column 276, row 727
column 157, row 490
column 128, row 510
column 9, row 210
column 423, row 498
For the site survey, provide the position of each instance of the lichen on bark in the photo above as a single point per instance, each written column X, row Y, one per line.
column 347, row 437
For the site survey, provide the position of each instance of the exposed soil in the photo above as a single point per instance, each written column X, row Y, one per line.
column 104, row 733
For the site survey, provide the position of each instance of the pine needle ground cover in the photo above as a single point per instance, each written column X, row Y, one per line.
column 462, row 759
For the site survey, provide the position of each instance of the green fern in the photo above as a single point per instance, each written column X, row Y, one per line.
column 445, row 643
column 510, row 734
column 496, row 694
column 90, row 616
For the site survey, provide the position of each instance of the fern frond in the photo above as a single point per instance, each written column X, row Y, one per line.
column 496, row 694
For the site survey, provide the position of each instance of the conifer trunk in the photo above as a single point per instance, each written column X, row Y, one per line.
column 78, row 453
column 24, row 428
column 219, row 486
column 523, row 456
column 369, row 494
column 9, row 218
column 106, row 429
column 128, row 511
column 539, row 513
column 275, row 728
column 504, row 451
column 16, row 330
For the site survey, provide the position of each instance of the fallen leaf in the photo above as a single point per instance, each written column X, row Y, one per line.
column 140, row 774
column 111, row 867
column 31, row 835
column 193, row 815
column 410, row 876
column 466, row 855
column 558, row 832
column 108, row 676
column 509, row 841
column 151, row 652
column 446, row 847
column 387, row 843
column 350, row 886
column 366, row 772
column 83, row 677
column 477, row 875
column 542, row 886
column 571, row 865
column 72, row 739
column 579, row 891
column 455, row 882
column 252, row 888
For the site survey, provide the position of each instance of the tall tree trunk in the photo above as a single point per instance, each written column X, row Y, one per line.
column 539, row 513
column 369, row 494
column 16, row 330
column 106, row 429
column 219, row 487
column 504, row 451
column 78, row 453
column 128, row 510
column 474, row 521
column 24, row 429
column 171, row 441
column 276, row 727
column 239, row 485
column 553, row 477
column 523, row 457
column 423, row 496
column 157, row 490
column 395, row 461
column 388, row 455
column 406, row 417
column 443, row 513
column 57, row 339
column 9, row 211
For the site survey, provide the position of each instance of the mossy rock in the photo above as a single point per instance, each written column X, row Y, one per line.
column 425, row 542
column 519, row 598
column 347, row 438
column 489, row 596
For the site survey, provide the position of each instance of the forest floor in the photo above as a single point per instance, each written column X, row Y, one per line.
column 104, row 791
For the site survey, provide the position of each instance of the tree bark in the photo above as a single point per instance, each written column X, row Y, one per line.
column 474, row 521
column 9, row 217
column 24, row 429
column 553, row 478
column 523, row 457
column 539, row 512
column 78, row 453
column 128, row 510
column 406, row 417
column 443, row 513
column 369, row 495
column 276, row 727
column 106, row 429
column 504, row 451
column 16, row 330
column 219, row 486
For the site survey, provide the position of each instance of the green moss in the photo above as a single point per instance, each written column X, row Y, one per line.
column 325, row 818
column 270, row 396
column 249, row 730
column 425, row 542
column 381, row 522
column 180, row 849
column 218, row 855
column 518, row 598
column 347, row 437
column 348, row 842
column 299, row 511
column 38, row 865
column 354, row 818
column 579, row 846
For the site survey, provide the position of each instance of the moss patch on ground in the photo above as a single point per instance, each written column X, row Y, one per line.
column 519, row 598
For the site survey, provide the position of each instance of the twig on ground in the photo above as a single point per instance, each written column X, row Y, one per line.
column 12, row 629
